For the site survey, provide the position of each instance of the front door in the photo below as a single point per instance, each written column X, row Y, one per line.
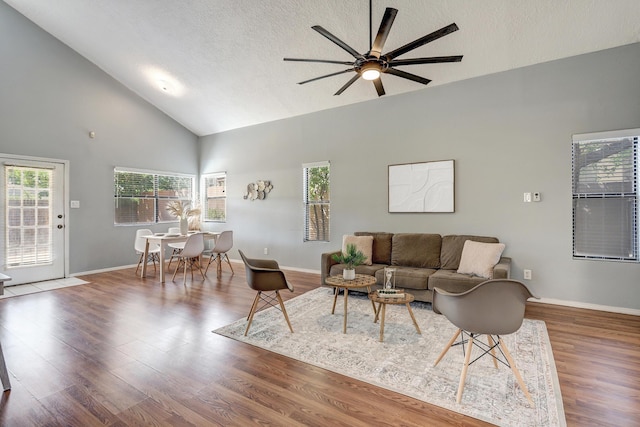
column 32, row 235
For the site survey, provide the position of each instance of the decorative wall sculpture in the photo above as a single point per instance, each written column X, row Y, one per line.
column 258, row 190
column 421, row 187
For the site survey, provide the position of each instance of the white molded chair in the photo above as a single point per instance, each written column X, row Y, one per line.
column 218, row 253
column 191, row 254
column 177, row 246
column 139, row 245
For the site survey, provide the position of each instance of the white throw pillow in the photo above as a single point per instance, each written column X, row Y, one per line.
column 363, row 243
column 479, row 258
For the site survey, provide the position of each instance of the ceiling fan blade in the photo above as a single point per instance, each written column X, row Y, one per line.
column 349, row 83
column 432, row 60
column 327, row 61
column 383, row 32
column 422, row 41
column 337, row 41
column 379, row 88
column 408, row 76
column 328, row 75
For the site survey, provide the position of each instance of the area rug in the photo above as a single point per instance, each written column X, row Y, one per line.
column 404, row 361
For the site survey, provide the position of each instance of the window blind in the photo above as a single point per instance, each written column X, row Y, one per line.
column 317, row 204
column 605, row 196
column 142, row 197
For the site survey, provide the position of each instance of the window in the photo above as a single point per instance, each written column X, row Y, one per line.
column 605, row 195
column 316, row 201
column 141, row 197
column 214, row 191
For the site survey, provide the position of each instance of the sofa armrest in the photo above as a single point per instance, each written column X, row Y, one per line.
column 326, row 261
column 502, row 269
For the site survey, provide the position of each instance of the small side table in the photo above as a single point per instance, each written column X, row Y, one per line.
column 382, row 304
column 338, row 282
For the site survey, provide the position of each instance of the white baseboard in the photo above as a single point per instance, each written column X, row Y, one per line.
column 552, row 301
column 589, row 306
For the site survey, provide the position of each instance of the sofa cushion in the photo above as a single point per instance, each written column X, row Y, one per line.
column 452, row 249
column 450, row 281
column 381, row 246
column 408, row 277
column 479, row 258
column 363, row 243
column 420, row 250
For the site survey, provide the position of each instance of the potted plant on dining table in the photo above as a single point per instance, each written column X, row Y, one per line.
column 352, row 258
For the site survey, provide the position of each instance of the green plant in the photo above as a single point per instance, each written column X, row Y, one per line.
column 352, row 257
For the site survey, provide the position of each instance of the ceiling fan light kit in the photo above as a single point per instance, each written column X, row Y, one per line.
column 371, row 65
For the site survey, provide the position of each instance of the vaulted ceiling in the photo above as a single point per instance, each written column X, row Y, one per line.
column 216, row 65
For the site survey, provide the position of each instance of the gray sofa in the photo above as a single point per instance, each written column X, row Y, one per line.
column 422, row 261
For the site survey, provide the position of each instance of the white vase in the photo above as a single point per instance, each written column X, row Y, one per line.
column 184, row 226
column 348, row 274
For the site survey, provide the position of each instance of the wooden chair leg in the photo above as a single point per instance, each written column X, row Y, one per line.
column 493, row 350
column 211, row 259
column 139, row 262
column 284, row 311
column 252, row 312
column 229, row 262
column 463, row 375
column 175, row 271
column 447, row 347
column 515, row 371
column 184, row 275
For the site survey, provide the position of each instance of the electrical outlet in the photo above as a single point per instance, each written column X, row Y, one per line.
column 527, row 274
column 536, row 196
column 266, row 251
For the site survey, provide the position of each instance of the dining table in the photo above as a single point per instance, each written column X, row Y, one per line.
column 162, row 239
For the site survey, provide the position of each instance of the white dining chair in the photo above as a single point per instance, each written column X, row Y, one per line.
column 176, row 246
column 218, row 253
column 190, row 255
column 139, row 246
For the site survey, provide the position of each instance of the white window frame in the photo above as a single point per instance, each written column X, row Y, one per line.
column 156, row 197
column 325, row 205
column 206, row 197
column 606, row 202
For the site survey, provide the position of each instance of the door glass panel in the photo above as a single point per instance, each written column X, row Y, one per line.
column 28, row 216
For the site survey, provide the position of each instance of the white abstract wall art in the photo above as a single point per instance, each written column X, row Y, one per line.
column 422, row 187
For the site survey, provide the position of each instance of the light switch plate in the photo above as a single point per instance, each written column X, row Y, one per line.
column 75, row 204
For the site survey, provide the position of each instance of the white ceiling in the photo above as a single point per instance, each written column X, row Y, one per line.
column 222, row 59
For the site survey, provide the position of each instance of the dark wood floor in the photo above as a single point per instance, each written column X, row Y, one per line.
column 127, row 351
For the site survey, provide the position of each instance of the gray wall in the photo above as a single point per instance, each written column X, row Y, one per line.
column 50, row 98
column 508, row 133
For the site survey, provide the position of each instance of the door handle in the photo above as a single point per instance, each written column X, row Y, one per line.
column 60, row 226
column 60, row 216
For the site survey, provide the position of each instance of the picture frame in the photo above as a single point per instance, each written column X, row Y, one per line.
column 422, row 187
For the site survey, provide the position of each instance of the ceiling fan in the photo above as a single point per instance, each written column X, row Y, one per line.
column 372, row 64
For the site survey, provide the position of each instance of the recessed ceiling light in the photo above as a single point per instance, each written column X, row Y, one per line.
column 164, row 81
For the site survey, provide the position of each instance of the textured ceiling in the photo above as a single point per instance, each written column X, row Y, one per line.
column 222, row 59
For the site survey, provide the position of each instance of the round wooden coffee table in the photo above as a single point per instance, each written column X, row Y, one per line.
column 338, row 282
column 382, row 304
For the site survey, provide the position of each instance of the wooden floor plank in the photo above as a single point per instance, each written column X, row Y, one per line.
column 125, row 351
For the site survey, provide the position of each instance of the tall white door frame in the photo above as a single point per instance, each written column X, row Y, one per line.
column 65, row 203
